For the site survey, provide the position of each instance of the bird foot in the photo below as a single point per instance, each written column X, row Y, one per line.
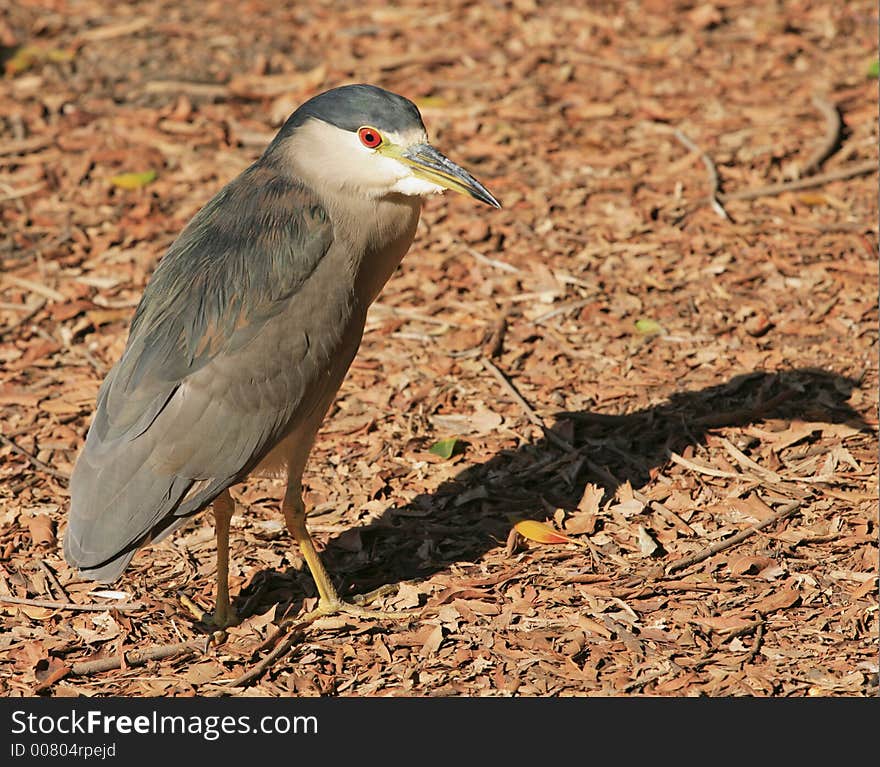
column 220, row 620
column 362, row 600
column 356, row 608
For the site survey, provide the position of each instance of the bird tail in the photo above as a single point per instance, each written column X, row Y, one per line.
column 106, row 573
column 115, row 504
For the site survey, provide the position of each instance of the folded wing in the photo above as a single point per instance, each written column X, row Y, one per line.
column 195, row 402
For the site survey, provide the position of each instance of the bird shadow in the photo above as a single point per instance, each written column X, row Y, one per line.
column 472, row 513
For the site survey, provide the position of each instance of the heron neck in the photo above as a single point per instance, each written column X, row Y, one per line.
column 377, row 233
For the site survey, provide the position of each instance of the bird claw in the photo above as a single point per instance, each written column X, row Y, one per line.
column 218, row 621
column 356, row 608
column 362, row 600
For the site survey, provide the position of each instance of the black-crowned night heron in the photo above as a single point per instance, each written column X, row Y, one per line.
column 247, row 329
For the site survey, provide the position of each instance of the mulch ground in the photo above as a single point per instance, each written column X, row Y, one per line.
column 664, row 347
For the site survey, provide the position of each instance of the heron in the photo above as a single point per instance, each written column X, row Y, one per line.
column 246, row 330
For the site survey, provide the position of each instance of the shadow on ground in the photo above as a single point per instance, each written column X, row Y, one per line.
column 473, row 513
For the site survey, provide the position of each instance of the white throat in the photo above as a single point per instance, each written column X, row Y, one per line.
column 345, row 164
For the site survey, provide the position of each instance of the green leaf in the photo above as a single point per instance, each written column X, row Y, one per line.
column 445, row 448
column 874, row 69
column 133, row 180
column 22, row 59
column 649, row 327
column 59, row 55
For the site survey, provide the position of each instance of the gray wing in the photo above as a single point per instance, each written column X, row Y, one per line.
column 212, row 373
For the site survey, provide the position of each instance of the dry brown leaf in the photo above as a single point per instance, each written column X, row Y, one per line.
column 778, row 600
column 42, row 530
column 750, row 565
column 48, row 671
column 432, row 643
column 724, row 624
column 647, row 544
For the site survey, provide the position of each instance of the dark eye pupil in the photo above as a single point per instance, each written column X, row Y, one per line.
column 370, row 138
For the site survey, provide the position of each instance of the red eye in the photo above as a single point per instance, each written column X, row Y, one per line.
column 369, row 137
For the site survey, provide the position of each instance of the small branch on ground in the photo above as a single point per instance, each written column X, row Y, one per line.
column 91, row 607
column 37, row 463
column 53, row 579
column 294, row 633
column 727, row 543
column 714, row 181
column 831, row 139
column 282, row 648
column 494, row 344
column 23, row 319
column 526, row 407
column 756, row 645
column 707, row 470
column 859, row 169
column 135, row 658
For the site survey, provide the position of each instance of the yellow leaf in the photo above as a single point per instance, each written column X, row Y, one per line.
column 22, row 59
column 59, row 55
column 133, row 180
column 813, row 199
column 431, row 102
column 541, row 533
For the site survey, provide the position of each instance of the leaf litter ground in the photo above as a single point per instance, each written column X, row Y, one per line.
column 664, row 347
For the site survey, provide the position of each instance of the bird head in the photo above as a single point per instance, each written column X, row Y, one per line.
column 364, row 140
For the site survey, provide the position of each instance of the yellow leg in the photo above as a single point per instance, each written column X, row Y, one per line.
column 224, row 508
column 224, row 616
column 329, row 602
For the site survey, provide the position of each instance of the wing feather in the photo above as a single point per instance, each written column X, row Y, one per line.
column 168, row 433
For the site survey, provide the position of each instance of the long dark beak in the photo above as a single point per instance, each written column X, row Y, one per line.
column 431, row 165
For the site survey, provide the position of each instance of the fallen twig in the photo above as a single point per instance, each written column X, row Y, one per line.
column 17, row 194
column 53, row 579
column 25, row 145
column 727, row 543
column 672, row 517
column 197, row 90
column 294, row 635
column 756, row 644
column 91, row 607
column 110, row 31
column 526, row 407
column 34, row 460
column 562, row 309
column 135, row 658
column 859, row 169
column 714, row 181
column 597, row 61
column 707, row 470
column 747, row 463
column 831, row 139
column 494, row 344
column 24, row 318
column 494, row 262
column 34, row 287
